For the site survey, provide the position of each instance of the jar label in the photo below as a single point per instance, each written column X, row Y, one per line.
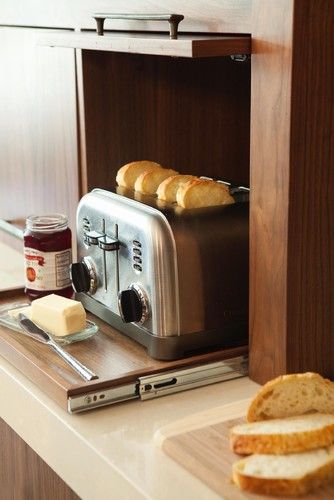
column 47, row 270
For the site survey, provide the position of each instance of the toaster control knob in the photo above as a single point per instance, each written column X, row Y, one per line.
column 83, row 276
column 133, row 304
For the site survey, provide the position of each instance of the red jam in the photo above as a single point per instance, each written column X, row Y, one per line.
column 48, row 255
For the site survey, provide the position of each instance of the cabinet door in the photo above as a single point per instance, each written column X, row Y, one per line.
column 38, row 129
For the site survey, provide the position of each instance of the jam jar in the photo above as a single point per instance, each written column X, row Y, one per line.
column 47, row 256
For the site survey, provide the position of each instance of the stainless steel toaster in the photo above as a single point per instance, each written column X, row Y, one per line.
column 174, row 280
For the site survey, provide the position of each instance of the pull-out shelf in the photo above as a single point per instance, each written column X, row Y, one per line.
column 124, row 369
column 151, row 44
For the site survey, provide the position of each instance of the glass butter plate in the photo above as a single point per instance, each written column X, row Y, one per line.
column 12, row 323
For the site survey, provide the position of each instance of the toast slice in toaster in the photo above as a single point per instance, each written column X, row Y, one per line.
column 203, row 193
column 127, row 175
column 148, row 182
column 167, row 189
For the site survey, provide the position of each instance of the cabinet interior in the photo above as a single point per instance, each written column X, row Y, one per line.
column 192, row 115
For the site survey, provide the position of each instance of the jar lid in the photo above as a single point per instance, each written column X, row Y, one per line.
column 49, row 223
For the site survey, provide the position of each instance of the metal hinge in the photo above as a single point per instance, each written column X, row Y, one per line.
column 239, row 57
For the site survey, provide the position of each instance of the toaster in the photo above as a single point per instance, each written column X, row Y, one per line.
column 175, row 280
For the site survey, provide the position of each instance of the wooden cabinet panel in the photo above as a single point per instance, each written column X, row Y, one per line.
column 38, row 129
column 24, row 475
column 216, row 16
column 190, row 115
column 292, row 179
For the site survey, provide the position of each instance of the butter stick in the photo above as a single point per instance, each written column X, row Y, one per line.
column 58, row 315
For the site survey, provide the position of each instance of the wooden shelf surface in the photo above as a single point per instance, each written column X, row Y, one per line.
column 115, row 358
column 151, row 44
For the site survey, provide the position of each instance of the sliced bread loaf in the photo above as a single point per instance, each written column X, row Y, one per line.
column 148, row 182
column 203, row 193
column 282, row 436
column 290, row 395
column 285, row 475
column 127, row 175
column 168, row 188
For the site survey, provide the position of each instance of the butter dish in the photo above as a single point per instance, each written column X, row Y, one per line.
column 8, row 319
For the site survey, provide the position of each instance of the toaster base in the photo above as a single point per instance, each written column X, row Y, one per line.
column 173, row 347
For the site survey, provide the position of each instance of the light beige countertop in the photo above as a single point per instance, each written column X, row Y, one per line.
column 11, row 268
column 110, row 453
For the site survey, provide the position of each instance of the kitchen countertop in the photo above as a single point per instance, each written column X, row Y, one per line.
column 11, row 268
column 110, row 452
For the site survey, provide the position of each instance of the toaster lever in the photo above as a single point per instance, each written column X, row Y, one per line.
column 92, row 237
column 107, row 243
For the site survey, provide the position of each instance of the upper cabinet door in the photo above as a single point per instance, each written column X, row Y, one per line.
column 38, row 128
column 214, row 16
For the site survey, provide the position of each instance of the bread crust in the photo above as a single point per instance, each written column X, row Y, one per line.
column 265, row 396
column 283, row 487
column 282, row 444
column 203, row 193
column 168, row 188
column 127, row 175
column 148, row 182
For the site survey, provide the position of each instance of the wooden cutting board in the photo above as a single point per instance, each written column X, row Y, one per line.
column 200, row 443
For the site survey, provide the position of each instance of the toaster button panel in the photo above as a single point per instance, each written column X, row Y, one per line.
column 137, row 256
column 86, row 224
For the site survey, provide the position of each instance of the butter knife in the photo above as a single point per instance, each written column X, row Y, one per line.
column 30, row 328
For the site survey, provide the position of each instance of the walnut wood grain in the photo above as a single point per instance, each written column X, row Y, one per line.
column 115, row 358
column 219, row 16
column 38, row 154
column 270, row 142
column 190, row 115
column 310, row 267
column 24, row 475
column 131, row 43
column 292, row 179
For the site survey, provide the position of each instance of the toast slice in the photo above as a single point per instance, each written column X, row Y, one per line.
column 203, row 193
column 167, row 189
column 127, row 175
column 285, row 475
column 148, row 182
column 290, row 395
column 282, row 436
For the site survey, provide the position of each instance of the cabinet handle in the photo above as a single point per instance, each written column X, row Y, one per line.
column 173, row 19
